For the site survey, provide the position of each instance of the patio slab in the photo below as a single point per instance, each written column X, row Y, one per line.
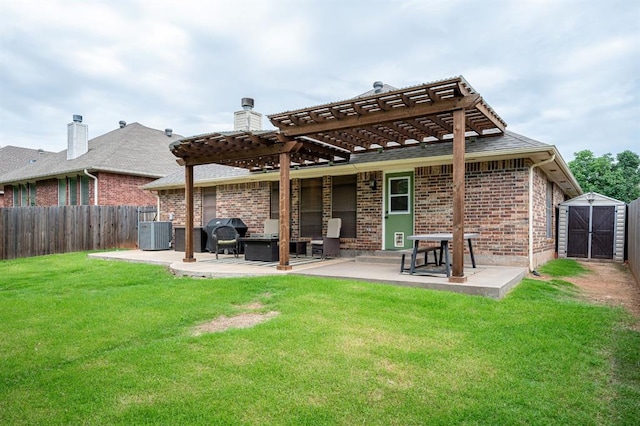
column 488, row 281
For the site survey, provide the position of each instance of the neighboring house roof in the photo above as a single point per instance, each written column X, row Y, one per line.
column 507, row 145
column 15, row 157
column 147, row 154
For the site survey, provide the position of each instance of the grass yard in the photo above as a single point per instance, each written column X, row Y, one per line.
column 88, row 341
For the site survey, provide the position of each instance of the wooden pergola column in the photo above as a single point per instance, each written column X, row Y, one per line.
column 285, row 213
column 457, row 272
column 188, row 201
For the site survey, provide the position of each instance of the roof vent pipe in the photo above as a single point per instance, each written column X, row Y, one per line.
column 247, row 104
column 122, row 123
column 378, row 85
column 168, row 132
column 77, row 118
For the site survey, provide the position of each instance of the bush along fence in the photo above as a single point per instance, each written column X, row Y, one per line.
column 35, row 231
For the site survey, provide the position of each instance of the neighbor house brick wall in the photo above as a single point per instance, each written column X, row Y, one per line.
column 47, row 192
column 119, row 189
column 8, row 196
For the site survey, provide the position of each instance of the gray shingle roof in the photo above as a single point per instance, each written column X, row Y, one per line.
column 134, row 149
column 15, row 157
column 509, row 141
column 505, row 142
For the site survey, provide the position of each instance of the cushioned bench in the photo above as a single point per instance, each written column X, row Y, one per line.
column 425, row 250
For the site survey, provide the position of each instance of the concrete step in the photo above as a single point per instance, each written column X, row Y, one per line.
column 383, row 256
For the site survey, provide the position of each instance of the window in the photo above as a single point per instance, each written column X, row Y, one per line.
column 24, row 195
column 311, row 207
column 399, row 195
column 275, row 200
column 208, row 204
column 84, row 190
column 62, row 192
column 344, row 193
column 549, row 208
column 73, row 191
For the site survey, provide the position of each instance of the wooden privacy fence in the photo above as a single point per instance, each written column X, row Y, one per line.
column 35, row 231
column 633, row 239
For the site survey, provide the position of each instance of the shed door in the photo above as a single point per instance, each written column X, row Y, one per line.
column 602, row 232
column 578, row 238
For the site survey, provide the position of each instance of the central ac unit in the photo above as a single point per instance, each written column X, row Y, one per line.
column 154, row 235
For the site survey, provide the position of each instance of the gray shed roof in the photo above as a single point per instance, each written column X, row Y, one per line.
column 134, row 150
column 15, row 157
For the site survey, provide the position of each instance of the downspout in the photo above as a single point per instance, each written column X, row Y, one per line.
column 95, row 186
column 543, row 162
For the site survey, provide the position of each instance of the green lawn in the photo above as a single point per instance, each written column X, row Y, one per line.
column 87, row 341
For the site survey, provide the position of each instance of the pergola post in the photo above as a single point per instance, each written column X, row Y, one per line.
column 457, row 272
column 188, row 201
column 285, row 213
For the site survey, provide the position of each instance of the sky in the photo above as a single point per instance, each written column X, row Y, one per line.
column 564, row 72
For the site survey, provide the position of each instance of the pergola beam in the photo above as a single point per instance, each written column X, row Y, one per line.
column 380, row 117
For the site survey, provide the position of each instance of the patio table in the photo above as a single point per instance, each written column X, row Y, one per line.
column 444, row 239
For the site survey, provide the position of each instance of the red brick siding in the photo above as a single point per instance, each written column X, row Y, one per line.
column 114, row 189
column 8, row 196
column 47, row 192
column 496, row 207
column 119, row 189
column 368, row 214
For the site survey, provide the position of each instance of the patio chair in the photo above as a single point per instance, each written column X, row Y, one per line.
column 329, row 245
column 225, row 237
column 272, row 226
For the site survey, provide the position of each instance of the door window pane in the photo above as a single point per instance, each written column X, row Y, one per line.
column 399, row 195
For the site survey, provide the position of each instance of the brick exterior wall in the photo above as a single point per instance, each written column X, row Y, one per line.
column 47, row 192
column 118, row 189
column 496, row 207
column 114, row 189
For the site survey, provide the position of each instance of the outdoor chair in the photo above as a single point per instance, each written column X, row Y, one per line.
column 329, row 245
column 225, row 237
column 272, row 226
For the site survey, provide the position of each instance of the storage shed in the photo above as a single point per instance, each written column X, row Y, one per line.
column 592, row 226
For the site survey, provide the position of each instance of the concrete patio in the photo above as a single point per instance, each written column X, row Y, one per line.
column 488, row 281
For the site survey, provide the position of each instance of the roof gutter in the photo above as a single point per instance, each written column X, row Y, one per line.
column 533, row 166
column 95, row 186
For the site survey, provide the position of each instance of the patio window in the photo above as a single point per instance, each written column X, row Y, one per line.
column 311, row 207
column 275, row 200
column 344, row 193
column 208, row 204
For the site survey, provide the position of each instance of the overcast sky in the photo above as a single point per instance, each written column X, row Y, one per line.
column 566, row 73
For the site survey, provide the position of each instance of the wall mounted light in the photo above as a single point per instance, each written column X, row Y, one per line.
column 590, row 196
column 373, row 184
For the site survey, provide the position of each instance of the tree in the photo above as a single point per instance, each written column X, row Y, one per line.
column 619, row 178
